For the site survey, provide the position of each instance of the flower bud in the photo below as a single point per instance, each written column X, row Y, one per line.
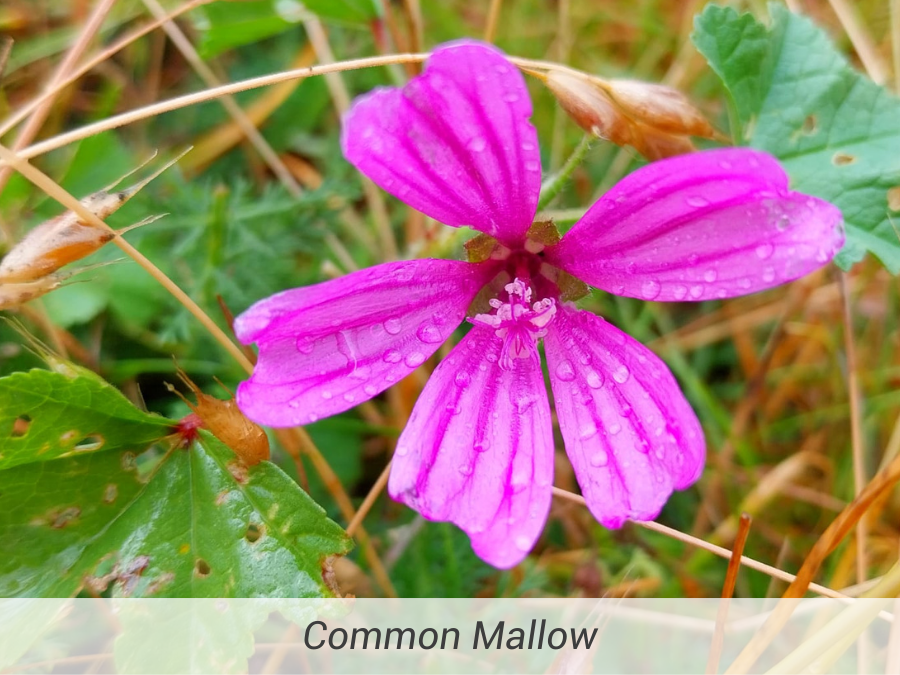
column 656, row 120
column 227, row 423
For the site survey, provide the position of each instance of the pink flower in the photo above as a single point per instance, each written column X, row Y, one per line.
column 456, row 144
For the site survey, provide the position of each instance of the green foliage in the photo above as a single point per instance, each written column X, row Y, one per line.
column 229, row 24
column 836, row 132
column 95, row 495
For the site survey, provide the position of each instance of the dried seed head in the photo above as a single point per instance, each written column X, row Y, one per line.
column 656, row 120
column 227, row 423
column 663, row 108
column 589, row 106
column 67, row 238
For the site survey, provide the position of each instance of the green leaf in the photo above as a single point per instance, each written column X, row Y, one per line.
column 836, row 132
column 68, row 413
column 231, row 24
column 139, row 515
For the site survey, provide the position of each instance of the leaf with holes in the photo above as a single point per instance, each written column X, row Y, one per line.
column 148, row 517
column 836, row 132
column 45, row 415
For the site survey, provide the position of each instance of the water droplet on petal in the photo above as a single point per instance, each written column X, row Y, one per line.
column 745, row 283
column 765, row 251
column 414, row 359
column 822, row 255
column 429, row 334
column 304, row 345
column 650, row 289
column 600, row 459
column 533, row 166
column 313, row 417
column 477, row 144
column 483, row 445
column 465, row 469
column 391, row 356
column 697, row 201
column 594, row 380
column 587, row 431
column 768, row 275
column 462, row 379
column 511, row 98
column 614, row 428
column 370, row 390
column 565, row 372
column 679, row 292
column 621, row 374
column 392, row 326
column 350, row 398
column 326, row 395
column 401, row 450
column 710, row 275
column 696, row 291
column 523, row 543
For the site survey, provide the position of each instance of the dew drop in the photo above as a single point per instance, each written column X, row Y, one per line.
column 587, row 431
column 477, row 144
column 483, row 445
column 768, row 275
column 822, row 255
column 350, row 398
column 401, row 450
column 621, row 374
column 600, row 459
column 725, row 165
column 465, row 469
column 391, row 356
column 765, row 251
column 533, row 166
column 523, row 402
column 650, row 289
column 511, row 98
column 710, row 275
column 745, row 283
column 327, row 395
column 565, row 372
column 783, row 222
column 304, row 345
column 614, row 428
column 414, row 359
column 523, row 543
column 313, row 417
column 392, row 326
column 594, row 380
column 370, row 390
column 696, row 291
column 679, row 292
column 462, row 379
column 429, row 334
column 697, row 201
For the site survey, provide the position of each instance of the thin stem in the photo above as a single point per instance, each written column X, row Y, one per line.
column 712, row 548
column 490, row 29
column 555, row 183
column 179, row 39
column 861, row 40
column 37, row 119
column 91, row 63
column 53, row 189
column 895, row 42
column 734, row 566
column 366, row 506
column 853, row 392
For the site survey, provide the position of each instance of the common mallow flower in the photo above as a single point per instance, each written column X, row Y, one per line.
column 456, row 144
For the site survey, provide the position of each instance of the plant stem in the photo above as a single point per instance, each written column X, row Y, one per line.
column 555, row 183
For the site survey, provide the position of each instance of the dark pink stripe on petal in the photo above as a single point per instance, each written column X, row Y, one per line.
column 630, row 434
column 478, row 450
column 326, row 348
column 713, row 224
column 455, row 143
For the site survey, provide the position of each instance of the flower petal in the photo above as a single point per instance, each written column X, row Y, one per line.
column 478, row 450
column 455, row 142
column 326, row 348
column 712, row 224
column 629, row 432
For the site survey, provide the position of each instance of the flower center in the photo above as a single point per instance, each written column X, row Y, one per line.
column 518, row 322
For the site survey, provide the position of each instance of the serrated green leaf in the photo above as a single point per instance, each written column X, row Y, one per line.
column 836, row 132
column 169, row 522
column 67, row 413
